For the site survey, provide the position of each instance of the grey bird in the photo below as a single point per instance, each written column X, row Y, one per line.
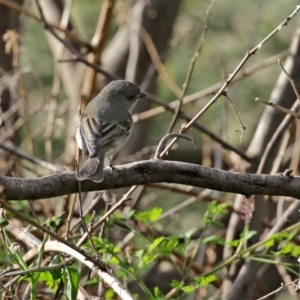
column 105, row 126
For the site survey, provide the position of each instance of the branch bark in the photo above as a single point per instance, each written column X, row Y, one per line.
column 152, row 171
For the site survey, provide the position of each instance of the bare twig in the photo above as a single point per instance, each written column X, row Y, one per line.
column 98, row 41
column 107, row 214
column 192, row 65
column 290, row 79
column 162, row 144
column 243, row 127
column 78, row 55
column 158, row 63
column 22, row 10
column 87, row 211
column 283, row 126
column 232, row 75
column 56, row 83
column 67, row 262
column 280, row 108
column 281, row 288
column 87, row 232
column 45, row 164
column 208, row 91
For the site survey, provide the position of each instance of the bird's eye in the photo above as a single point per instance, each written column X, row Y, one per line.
column 131, row 97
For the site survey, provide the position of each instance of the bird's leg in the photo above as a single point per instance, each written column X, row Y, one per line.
column 110, row 164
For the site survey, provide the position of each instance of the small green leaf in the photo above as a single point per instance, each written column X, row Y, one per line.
column 215, row 210
column 71, row 280
column 109, row 294
column 155, row 243
column 234, row 243
column 248, row 234
column 188, row 289
column 150, row 215
column 296, row 251
column 157, row 293
column 93, row 280
column 127, row 214
column 287, row 248
column 213, row 240
column 55, row 223
column 176, row 284
column 205, row 280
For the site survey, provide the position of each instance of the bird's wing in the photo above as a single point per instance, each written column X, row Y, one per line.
column 96, row 135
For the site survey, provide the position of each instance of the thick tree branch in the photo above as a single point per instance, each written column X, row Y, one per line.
column 153, row 171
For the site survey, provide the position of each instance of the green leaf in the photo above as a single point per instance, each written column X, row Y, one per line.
column 149, row 215
column 188, row 289
column 296, row 251
column 55, row 223
column 188, row 234
column 155, row 243
column 127, row 214
column 71, row 280
column 146, row 259
column 157, row 293
column 215, row 210
column 234, row 243
column 103, row 246
column 45, row 276
column 248, row 234
column 56, row 273
column 205, row 280
column 93, row 280
column 114, row 261
column 175, row 284
column 109, row 294
column 287, row 248
column 213, row 240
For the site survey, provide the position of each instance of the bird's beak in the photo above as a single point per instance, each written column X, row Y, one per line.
column 141, row 95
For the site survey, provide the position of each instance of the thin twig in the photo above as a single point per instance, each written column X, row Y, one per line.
column 279, row 108
column 67, row 262
column 22, row 10
column 162, row 144
column 207, row 91
column 81, row 213
column 192, row 65
column 56, row 83
column 88, row 210
column 243, row 127
column 45, row 164
column 99, row 38
column 159, row 66
column 78, row 55
column 53, row 235
column 232, row 75
column 110, row 212
column 275, row 292
column 291, row 80
column 276, row 135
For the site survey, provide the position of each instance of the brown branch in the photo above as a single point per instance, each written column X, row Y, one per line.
column 22, row 10
column 153, row 171
column 40, row 162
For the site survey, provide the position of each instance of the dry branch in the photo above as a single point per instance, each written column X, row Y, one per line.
column 153, row 171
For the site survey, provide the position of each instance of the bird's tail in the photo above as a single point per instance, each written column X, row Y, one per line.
column 93, row 168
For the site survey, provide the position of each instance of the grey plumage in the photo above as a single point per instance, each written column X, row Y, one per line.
column 105, row 126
